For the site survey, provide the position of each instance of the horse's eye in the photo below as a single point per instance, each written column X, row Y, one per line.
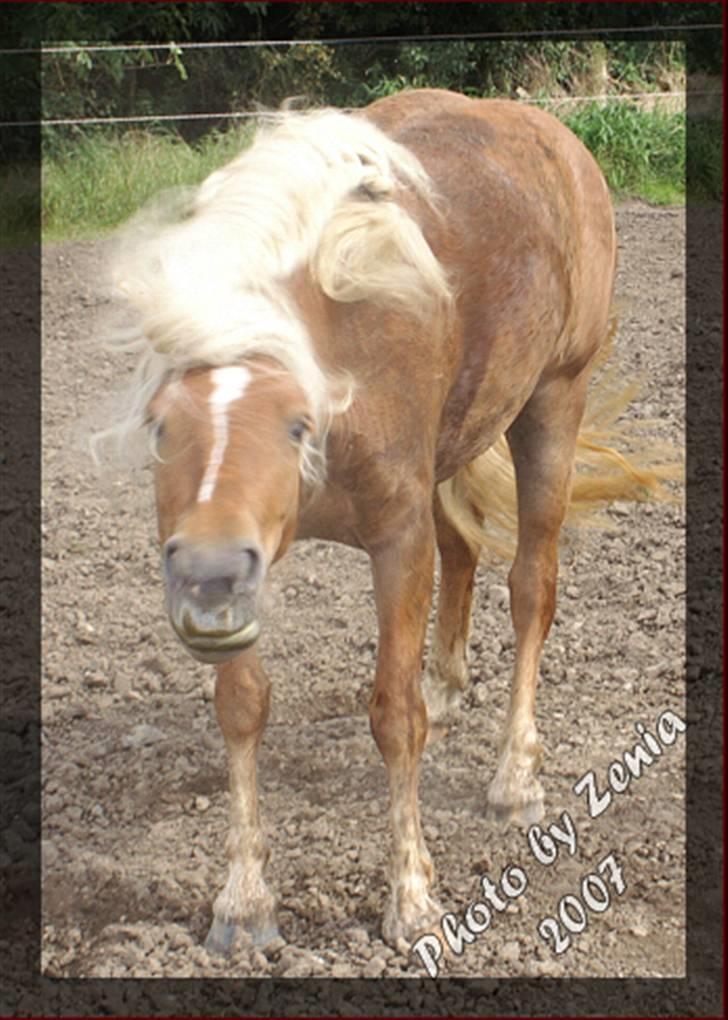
column 298, row 430
column 158, row 431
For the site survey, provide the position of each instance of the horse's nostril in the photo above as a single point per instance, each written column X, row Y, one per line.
column 252, row 563
column 170, row 548
column 212, row 571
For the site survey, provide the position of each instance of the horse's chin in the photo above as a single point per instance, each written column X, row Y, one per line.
column 217, row 648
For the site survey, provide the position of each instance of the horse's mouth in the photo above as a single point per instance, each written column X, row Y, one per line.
column 217, row 646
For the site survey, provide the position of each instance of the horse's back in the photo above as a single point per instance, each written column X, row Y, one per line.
column 521, row 153
column 512, row 177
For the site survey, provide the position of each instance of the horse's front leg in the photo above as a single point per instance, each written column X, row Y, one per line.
column 403, row 574
column 242, row 701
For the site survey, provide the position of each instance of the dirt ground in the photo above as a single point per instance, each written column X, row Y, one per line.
column 135, row 798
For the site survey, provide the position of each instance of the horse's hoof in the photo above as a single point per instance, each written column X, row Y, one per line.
column 407, row 928
column 223, row 935
column 262, row 936
column 514, row 814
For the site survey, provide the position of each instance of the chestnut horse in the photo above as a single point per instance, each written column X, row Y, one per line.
column 341, row 330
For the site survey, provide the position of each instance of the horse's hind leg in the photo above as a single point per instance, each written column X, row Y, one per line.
column 446, row 674
column 542, row 442
column 242, row 700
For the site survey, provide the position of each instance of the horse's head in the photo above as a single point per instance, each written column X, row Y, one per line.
column 230, row 443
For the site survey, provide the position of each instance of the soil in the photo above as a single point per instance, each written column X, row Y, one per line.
column 135, row 801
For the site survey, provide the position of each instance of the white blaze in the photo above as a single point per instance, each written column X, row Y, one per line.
column 229, row 384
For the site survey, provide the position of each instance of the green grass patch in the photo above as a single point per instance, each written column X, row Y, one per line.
column 641, row 153
column 98, row 183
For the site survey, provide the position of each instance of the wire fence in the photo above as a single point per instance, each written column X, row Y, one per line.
column 554, row 101
column 592, row 33
column 674, row 98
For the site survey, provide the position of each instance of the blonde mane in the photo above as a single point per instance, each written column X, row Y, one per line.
column 204, row 271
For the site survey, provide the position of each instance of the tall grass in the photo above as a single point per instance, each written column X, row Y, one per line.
column 95, row 184
column 641, row 153
column 100, row 182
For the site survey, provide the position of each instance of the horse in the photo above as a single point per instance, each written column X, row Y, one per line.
column 362, row 329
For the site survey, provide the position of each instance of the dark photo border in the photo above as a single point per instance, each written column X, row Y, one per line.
column 23, row 990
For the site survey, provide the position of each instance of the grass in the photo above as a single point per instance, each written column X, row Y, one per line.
column 641, row 153
column 98, row 184
column 91, row 186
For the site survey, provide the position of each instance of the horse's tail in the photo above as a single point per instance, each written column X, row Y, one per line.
column 480, row 498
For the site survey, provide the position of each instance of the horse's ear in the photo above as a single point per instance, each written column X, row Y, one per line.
column 374, row 186
column 340, row 393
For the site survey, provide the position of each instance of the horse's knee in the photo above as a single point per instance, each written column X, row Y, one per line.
column 398, row 722
column 532, row 593
column 242, row 701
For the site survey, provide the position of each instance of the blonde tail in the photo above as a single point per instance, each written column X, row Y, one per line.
column 480, row 499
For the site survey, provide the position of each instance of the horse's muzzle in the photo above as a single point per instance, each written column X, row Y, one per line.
column 212, row 595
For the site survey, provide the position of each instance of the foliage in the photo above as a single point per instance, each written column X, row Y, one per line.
column 176, row 79
column 659, row 65
column 173, row 79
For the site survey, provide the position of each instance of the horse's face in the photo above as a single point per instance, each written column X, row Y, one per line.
column 227, row 483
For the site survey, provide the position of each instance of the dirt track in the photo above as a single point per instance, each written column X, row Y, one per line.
column 135, row 785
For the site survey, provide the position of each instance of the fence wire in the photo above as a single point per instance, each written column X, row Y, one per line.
column 72, row 48
column 263, row 114
column 178, row 49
